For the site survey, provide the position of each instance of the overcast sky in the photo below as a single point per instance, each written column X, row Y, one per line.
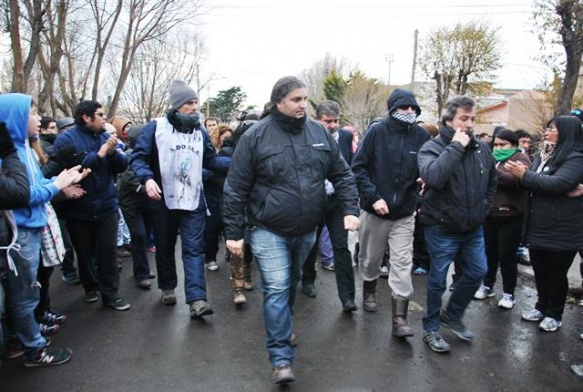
column 252, row 43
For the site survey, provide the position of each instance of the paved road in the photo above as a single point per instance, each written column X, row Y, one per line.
column 154, row 347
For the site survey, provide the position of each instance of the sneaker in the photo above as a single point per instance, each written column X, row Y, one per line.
column 145, row 284
column 420, row 271
column 507, row 301
column 118, row 304
column 457, row 327
column 54, row 317
column 200, row 308
column 212, row 266
column 71, row 280
column 240, row 298
column 49, row 357
column 384, row 271
column 47, row 329
column 550, row 324
column 484, row 292
column 168, row 297
column 435, row 342
column 91, row 297
column 328, row 266
column 532, row 315
column 14, row 348
column 283, row 374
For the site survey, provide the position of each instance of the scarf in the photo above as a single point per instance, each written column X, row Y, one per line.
column 408, row 118
column 547, row 151
column 503, row 154
column 287, row 123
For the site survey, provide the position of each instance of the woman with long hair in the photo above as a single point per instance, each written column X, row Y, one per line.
column 554, row 215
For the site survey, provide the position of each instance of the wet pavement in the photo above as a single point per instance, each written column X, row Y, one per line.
column 154, row 347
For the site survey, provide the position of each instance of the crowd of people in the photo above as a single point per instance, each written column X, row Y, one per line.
column 282, row 190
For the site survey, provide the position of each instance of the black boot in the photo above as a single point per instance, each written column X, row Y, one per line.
column 400, row 307
column 369, row 296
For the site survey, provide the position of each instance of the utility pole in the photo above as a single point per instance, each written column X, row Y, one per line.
column 389, row 58
column 415, row 45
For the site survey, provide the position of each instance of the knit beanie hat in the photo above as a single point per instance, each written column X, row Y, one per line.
column 509, row 136
column 119, row 122
column 180, row 93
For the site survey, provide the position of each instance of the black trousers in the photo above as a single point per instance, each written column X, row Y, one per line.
column 99, row 237
column 334, row 220
column 502, row 237
column 550, row 275
column 139, row 219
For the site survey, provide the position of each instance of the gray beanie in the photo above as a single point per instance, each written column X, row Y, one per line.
column 180, row 93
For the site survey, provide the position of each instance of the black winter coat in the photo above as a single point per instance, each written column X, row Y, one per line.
column 14, row 192
column 276, row 179
column 460, row 183
column 554, row 221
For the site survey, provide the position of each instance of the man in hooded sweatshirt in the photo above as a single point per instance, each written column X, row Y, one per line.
column 21, row 286
column 460, row 177
column 385, row 167
column 168, row 160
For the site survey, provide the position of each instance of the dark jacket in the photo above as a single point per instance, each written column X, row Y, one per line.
column 460, row 183
column 345, row 139
column 276, row 180
column 510, row 199
column 385, row 166
column 100, row 199
column 553, row 220
column 14, row 192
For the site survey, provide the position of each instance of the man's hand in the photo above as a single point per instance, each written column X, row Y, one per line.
column 70, row 176
column 153, row 190
column 517, row 169
column 236, row 247
column 577, row 192
column 381, row 207
column 351, row 222
column 461, row 137
column 73, row 192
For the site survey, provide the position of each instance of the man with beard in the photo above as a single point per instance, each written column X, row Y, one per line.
column 460, row 185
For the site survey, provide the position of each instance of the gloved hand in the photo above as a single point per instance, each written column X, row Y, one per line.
column 6, row 143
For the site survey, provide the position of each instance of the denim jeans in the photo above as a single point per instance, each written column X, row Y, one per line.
column 191, row 224
column 279, row 261
column 443, row 247
column 326, row 247
column 22, row 293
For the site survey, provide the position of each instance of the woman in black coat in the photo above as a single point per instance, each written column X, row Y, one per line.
column 553, row 223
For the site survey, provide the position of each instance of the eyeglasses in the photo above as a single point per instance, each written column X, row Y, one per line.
column 551, row 129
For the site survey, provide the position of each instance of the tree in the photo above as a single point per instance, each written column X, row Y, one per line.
column 364, row 100
column 226, row 105
column 561, row 22
column 315, row 75
column 461, row 59
column 334, row 87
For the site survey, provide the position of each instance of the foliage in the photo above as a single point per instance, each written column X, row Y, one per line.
column 461, row 59
column 364, row 99
column 225, row 105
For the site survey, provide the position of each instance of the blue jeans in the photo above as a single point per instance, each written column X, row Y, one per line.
column 279, row 261
column 326, row 247
column 443, row 247
column 22, row 293
column 191, row 225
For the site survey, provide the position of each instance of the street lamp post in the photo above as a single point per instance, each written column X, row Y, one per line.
column 389, row 58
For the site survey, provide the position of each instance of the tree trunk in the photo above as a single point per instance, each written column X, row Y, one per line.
column 18, row 84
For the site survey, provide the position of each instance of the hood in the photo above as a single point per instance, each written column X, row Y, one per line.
column 401, row 97
column 14, row 111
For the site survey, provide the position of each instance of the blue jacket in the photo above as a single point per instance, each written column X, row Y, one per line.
column 100, row 201
column 15, row 111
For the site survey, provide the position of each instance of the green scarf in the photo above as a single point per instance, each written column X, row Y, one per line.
column 502, row 155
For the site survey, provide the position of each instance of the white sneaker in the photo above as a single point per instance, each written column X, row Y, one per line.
column 507, row 301
column 384, row 271
column 212, row 266
column 550, row 324
column 532, row 315
column 484, row 292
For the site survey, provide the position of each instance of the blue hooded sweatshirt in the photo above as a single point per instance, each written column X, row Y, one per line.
column 14, row 111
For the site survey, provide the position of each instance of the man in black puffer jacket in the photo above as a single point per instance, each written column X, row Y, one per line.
column 275, row 187
column 386, row 172
column 460, row 185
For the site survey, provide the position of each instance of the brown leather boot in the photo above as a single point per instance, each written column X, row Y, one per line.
column 369, row 296
column 400, row 307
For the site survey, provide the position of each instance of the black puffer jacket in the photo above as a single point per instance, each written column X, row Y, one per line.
column 14, row 192
column 276, row 178
column 553, row 220
column 461, row 183
column 385, row 164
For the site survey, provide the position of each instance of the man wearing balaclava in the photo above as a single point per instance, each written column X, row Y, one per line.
column 460, row 179
column 385, row 167
column 168, row 160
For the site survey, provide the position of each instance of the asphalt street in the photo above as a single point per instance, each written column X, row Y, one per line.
column 153, row 347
